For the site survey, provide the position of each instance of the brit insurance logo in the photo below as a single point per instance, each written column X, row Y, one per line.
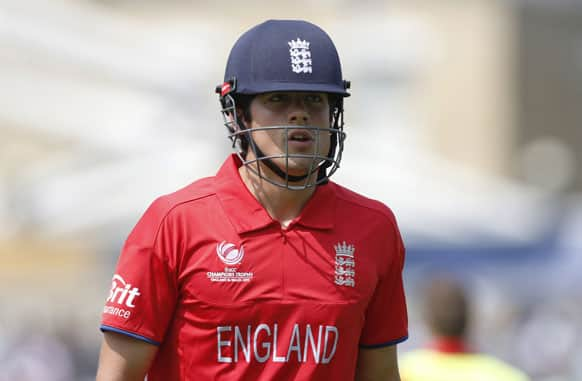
column 300, row 56
column 123, row 297
column 231, row 256
column 345, row 265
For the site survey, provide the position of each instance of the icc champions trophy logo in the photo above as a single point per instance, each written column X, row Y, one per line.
column 229, row 254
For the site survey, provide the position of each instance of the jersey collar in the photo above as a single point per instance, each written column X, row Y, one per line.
column 319, row 212
column 247, row 214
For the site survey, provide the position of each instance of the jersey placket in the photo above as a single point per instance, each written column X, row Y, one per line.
column 284, row 253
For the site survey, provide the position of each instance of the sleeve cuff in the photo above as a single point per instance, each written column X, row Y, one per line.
column 106, row 328
column 385, row 344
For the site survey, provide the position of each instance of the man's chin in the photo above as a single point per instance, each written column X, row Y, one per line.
column 298, row 167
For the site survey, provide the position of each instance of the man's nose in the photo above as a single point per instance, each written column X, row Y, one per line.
column 298, row 113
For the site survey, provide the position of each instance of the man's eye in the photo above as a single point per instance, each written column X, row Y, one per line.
column 313, row 98
column 276, row 98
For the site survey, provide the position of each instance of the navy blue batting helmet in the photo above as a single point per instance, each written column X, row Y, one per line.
column 283, row 56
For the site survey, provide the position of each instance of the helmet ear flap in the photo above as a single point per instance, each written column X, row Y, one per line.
column 227, row 102
column 334, row 110
column 336, row 117
column 233, row 105
column 226, row 91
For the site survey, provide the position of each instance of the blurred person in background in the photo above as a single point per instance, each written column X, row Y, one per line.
column 449, row 357
column 267, row 271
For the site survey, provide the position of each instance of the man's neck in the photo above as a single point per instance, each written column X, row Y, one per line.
column 282, row 204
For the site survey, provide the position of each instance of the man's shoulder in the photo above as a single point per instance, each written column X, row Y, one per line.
column 428, row 364
column 198, row 191
column 355, row 200
column 501, row 370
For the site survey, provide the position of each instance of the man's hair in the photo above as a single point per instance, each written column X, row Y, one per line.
column 446, row 307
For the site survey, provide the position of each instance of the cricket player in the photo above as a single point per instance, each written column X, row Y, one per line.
column 268, row 270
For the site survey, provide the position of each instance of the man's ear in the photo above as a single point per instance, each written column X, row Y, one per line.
column 240, row 115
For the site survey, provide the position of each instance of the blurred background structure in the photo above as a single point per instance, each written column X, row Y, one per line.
column 465, row 118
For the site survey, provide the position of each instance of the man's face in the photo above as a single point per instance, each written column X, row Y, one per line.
column 291, row 109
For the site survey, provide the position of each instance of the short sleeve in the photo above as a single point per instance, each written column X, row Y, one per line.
column 143, row 290
column 386, row 316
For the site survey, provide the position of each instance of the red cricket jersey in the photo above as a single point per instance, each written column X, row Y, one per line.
column 228, row 294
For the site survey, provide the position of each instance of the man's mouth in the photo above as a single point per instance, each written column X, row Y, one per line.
column 300, row 136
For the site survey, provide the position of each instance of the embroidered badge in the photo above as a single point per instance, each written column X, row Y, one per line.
column 345, row 265
column 300, row 56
